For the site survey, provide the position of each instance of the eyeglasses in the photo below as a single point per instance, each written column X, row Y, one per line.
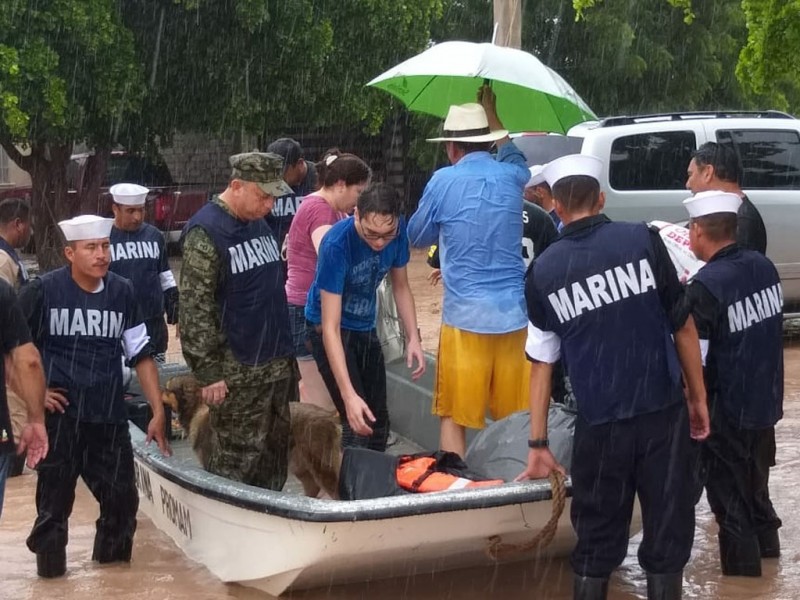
column 372, row 236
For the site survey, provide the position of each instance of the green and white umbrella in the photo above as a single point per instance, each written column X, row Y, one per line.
column 530, row 95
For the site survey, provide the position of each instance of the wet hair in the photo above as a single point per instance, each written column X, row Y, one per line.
column 468, row 147
column 14, row 208
column 544, row 185
column 577, row 192
column 289, row 149
column 721, row 157
column 380, row 199
column 718, row 227
column 340, row 166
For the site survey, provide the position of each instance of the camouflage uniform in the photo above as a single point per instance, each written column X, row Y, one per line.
column 250, row 438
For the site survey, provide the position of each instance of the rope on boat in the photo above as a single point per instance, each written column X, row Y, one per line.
column 497, row 550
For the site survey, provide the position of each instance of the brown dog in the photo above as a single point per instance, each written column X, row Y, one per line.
column 314, row 446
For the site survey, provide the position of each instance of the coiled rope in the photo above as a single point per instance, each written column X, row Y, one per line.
column 497, row 550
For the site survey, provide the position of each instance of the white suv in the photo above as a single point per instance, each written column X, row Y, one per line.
column 645, row 160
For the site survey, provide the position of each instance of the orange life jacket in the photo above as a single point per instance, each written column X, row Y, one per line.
column 419, row 474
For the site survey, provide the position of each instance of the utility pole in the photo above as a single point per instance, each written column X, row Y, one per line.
column 508, row 19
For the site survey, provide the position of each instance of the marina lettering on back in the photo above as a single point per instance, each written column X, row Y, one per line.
column 755, row 308
column 131, row 250
column 609, row 287
column 86, row 322
column 287, row 205
column 252, row 253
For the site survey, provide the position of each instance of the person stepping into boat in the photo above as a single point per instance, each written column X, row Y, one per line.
column 84, row 319
column 736, row 300
column 234, row 324
column 354, row 257
column 139, row 253
column 606, row 298
column 473, row 211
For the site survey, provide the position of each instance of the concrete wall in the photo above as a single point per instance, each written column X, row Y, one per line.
column 201, row 159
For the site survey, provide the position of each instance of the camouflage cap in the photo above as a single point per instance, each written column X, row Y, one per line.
column 263, row 168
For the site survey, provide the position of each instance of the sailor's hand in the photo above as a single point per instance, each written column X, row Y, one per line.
column 156, row 431
column 699, row 422
column 55, row 400
column 33, row 440
column 214, row 393
column 414, row 353
column 541, row 463
column 359, row 416
column 435, row 276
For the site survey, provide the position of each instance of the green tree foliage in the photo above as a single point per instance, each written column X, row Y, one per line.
column 767, row 69
column 133, row 72
column 260, row 65
column 636, row 56
column 68, row 71
column 768, row 65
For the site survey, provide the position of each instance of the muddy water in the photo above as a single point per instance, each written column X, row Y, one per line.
column 160, row 571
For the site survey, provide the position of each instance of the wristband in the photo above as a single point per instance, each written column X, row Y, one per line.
column 539, row 443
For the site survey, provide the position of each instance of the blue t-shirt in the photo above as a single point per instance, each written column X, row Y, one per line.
column 349, row 267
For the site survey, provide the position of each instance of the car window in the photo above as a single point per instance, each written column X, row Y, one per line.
column 770, row 158
column 136, row 169
column 651, row 161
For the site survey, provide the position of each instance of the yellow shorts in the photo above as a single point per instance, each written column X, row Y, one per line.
column 479, row 370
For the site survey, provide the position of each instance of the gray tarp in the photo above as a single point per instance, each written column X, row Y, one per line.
column 501, row 450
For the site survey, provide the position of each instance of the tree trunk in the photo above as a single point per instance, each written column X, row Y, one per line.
column 51, row 201
column 89, row 190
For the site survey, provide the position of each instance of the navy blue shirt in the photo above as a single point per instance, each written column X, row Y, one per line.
column 610, row 293
column 13, row 333
column 141, row 256
column 736, row 300
column 250, row 289
column 347, row 266
column 80, row 337
column 280, row 217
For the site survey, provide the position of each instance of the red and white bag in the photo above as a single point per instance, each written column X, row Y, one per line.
column 676, row 239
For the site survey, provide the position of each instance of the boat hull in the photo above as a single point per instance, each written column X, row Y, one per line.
column 274, row 552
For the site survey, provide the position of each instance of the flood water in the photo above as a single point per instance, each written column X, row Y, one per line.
column 159, row 570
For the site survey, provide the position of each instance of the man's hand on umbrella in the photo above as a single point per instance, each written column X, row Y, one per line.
column 488, row 100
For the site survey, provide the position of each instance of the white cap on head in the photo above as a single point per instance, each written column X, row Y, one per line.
column 571, row 165
column 129, row 194
column 537, row 175
column 712, row 202
column 86, row 227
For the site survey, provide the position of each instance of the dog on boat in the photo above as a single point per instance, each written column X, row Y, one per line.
column 314, row 444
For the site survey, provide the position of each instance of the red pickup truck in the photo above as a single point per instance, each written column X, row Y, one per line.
column 169, row 205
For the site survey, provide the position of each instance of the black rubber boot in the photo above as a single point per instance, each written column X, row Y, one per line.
column 769, row 543
column 105, row 552
column 665, row 586
column 589, row 588
column 51, row 564
column 739, row 556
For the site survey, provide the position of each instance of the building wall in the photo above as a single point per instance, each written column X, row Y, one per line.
column 195, row 158
column 11, row 175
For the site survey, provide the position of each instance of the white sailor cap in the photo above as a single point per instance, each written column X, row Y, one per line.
column 129, row 194
column 570, row 165
column 86, row 227
column 712, row 202
column 537, row 176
